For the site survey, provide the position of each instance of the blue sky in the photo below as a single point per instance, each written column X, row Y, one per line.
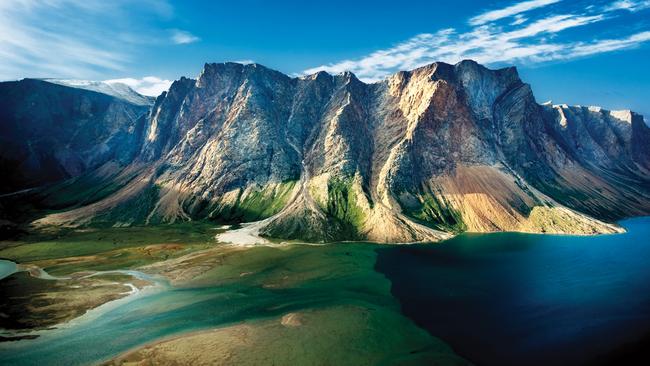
column 575, row 52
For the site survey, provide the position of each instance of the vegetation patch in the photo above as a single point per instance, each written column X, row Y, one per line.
column 66, row 251
column 257, row 204
column 343, row 207
column 435, row 212
column 83, row 190
column 132, row 212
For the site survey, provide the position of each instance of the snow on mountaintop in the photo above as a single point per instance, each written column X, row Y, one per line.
column 118, row 90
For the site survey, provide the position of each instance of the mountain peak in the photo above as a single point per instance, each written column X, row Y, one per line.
column 234, row 71
column 440, row 70
column 318, row 75
column 116, row 89
column 440, row 149
column 625, row 115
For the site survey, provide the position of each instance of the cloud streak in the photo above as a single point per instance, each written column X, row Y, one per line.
column 183, row 37
column 509, row 11
column 72, row 39
column 630, row 5
column 493, row 40
column 31, row 41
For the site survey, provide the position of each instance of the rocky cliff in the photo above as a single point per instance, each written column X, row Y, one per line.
column 50, row 132
column 419, row 156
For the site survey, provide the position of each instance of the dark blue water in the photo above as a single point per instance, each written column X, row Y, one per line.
column 521, row 299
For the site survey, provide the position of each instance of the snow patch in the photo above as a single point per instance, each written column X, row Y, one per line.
column 623, row 115
column 562, row 120
column 113, row 88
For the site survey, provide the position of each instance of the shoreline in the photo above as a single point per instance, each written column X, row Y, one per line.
column 248, row 231
column 164, row 339
column 92, row 313
column 248, row 236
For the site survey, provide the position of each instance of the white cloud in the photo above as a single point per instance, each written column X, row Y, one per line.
column 73, row 39
column 411, row 53
column 608, row 45
column 35, row 38
column 509, row 11
column 520, row 41
column 148, row 85
column 631, row 5
column 552, row 24
column 245, row 62
column 519, row 19
column 183, row 37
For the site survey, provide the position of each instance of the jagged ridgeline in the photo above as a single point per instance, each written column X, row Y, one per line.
column 419, row 156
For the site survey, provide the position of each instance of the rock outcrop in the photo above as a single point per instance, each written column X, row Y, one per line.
column 419, row 156
column 50, row 132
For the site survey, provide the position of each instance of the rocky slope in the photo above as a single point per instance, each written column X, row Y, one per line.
column 50, row 132
column 419, row 156
column 115, row 89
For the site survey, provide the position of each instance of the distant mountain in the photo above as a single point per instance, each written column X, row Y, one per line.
column 115, row 89
column 419, row 156
column 50, row 132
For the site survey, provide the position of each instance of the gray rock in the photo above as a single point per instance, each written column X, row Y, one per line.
column 440, row 149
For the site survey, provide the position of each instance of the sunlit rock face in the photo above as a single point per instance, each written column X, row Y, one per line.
column 417, row 157
column 50, row 132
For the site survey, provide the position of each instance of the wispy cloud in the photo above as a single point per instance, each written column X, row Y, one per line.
column 31, row 41
column 148, row 85
column 509, row 11
column 493, row 40
column 608, row 45
column 630, row 5
column 71, row 38
column 519, row 19
column 183, row 37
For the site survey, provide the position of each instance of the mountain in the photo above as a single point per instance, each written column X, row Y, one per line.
column 50, row 132
column 419, row 156
column 115, row 89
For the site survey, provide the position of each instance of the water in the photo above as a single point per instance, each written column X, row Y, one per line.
column 7, row 268
column 324, row 276
column 513, row 299
column 497, row 299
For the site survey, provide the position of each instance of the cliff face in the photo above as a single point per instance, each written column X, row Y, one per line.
column 50, row 132
column 425, row 153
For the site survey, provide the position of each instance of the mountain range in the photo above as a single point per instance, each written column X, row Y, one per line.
column 419, row 156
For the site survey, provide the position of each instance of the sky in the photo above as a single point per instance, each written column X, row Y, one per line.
column 570, row 51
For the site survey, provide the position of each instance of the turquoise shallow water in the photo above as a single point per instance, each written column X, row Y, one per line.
column 6, row 268
column 498, row 299
column 150, row 317
column 337, row 275
column 514, row 299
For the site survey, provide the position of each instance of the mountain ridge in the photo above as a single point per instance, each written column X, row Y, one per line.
column 51, row 131
column 418, row 156
column 115, row 89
